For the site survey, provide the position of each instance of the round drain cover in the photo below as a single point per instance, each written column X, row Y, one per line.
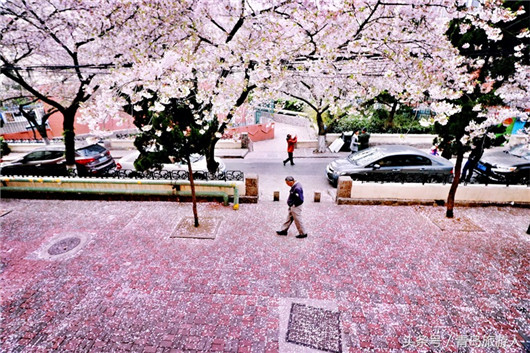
column 64, row 245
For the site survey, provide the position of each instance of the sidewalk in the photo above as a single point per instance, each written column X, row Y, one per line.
column 96, row 276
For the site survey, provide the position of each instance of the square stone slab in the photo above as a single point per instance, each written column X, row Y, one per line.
column 310, row 326
column 207, row 228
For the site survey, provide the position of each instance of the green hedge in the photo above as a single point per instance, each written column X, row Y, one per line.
column 376, row 121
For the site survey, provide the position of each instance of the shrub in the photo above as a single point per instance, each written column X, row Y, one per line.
column 292, row 105
column 376, row 121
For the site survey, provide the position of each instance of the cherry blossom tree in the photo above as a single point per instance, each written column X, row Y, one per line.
column 358, row 49
column 219, row 51
column 53, row 50
column 493, row 40
column 185, row 87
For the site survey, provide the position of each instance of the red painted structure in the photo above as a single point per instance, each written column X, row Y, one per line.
column 55, row 123
column 256, row 132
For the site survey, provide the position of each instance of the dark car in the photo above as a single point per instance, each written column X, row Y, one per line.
column 505, row 165
column 90, row 160
column 391, row 163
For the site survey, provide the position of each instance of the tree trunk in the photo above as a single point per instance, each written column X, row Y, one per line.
column 390, row 120
column 193, row 198
column 69, row 137
column 211, row 163
column 322, row 144
column 452, row 191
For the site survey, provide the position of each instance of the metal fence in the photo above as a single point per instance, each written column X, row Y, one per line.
column 229, row 175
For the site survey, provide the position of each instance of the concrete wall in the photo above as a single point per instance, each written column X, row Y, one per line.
column 349, row 191
column 393, row 139
column 416, row 140
column 116, row 144
column 256, row 132
column 294, row 119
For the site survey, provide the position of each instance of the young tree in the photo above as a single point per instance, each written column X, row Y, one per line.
column 53, row 50
column 170, row 132
column 494, row 40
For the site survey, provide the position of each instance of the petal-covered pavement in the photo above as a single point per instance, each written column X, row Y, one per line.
column 96, row 276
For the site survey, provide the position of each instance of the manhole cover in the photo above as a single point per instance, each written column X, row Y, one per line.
column 64, row 245
column 315, row 328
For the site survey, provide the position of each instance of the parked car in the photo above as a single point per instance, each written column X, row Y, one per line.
column 198, row 165
column 390, row 163
column 90, row 160
column 505, row 165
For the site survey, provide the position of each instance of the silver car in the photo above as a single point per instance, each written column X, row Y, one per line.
column 505, row 165
column 390, row 163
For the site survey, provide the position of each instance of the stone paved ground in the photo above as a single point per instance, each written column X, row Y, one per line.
column 368, row 278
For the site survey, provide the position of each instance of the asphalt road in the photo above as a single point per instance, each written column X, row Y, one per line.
column 310, row 172
column 302, row 167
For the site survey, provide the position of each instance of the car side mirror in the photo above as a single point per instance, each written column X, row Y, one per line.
column 376, row 166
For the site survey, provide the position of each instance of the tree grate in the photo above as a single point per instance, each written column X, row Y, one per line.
column 207, row 229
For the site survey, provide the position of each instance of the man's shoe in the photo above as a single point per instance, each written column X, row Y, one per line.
column 299, row 236
column 284, row 163
column 281, row 232
column 292, row 163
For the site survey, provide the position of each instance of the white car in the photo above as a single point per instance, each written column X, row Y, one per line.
column 198, row 164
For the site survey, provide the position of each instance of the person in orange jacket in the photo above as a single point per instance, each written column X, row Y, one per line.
column 290, row 149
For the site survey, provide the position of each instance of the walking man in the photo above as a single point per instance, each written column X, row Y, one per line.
column 290, row 149
column 295, row 201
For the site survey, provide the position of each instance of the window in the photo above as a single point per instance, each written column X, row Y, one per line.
column 34, row 156
column 403, row 161
column 392, row 161
column 90, row 150
column 417, row 160
column 53, row 155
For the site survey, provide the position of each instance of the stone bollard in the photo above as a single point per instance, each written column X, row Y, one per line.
column 251, row 188
column 317, row 196
column 276, row 196
column 251, row 185
column 344, row 187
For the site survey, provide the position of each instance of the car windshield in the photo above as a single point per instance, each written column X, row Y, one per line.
column 365, row 156
column 522, row 151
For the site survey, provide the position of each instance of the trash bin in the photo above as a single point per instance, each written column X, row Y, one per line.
column 346, row 137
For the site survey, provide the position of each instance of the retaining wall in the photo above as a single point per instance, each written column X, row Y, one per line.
column 354, row 192
column 89, row 188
